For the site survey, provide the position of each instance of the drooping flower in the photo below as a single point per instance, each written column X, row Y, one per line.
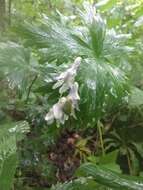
column 66, row 105
column 66, row 79
column 57, row 113
column 73, row 95
column 50, row 116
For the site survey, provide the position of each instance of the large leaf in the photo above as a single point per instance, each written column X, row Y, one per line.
column 17, row 65
column 136, row 98
column 55, row 41
column 7, row 171
column 102, row 86
column 110, row 178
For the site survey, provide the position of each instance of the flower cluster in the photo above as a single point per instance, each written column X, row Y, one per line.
column 67, row 104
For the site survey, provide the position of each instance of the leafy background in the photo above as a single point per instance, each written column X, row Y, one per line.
column 39, row 40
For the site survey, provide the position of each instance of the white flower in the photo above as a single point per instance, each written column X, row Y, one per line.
column 57, row 112
column 74, row 96
column 50, row 117
column 74, row 91
column 66, row 79
column 66, row 105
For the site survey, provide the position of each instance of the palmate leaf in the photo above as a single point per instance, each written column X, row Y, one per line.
column 59, row 42
column 102, row 83
column 102, row 86
column 53, row 41
column 16, row 63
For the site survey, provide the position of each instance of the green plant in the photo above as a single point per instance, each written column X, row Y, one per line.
column 10, row 133
column 72, row 71
column 109, row 161
column 81, row 149
column 101, row 81
column 84, row 183
column 109, row 178
column 129, row 142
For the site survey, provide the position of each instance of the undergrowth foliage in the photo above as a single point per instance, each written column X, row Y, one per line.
column 72, row 73
column 10, row 134
column 102, row 83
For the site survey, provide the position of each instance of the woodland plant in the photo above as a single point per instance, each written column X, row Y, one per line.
column 70, row 74
column 102, row 83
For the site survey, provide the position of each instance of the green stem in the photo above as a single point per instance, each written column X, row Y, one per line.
column 30, row 87
column 101, row 137
column 129, row 163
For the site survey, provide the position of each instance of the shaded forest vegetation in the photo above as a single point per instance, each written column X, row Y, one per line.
column 71, row 99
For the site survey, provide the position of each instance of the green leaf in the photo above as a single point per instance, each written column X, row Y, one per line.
column 84, row 183
column 97, row 32
column 105, row 5
column 109, row 178
column 8, row 151
column 136, row 98
column 139, row 148
column 7, row 172
column 17, row 64
column 109, row 158
column 135, row 166
column 109, row 161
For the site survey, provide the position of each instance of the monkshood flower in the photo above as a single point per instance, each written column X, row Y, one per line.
column 74, row 96
column 66, row 79
column 57, row 113
column 67, row 105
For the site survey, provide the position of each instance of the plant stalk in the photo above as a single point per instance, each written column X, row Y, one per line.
column 101, row 138
column 30, row 87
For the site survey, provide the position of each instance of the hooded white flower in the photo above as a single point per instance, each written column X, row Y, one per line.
column 66, row 79
column 56, row 112
column 74, row 96
column 50, row 116
column 66, row 105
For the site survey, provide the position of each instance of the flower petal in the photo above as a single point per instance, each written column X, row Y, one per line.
column 50, row 116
